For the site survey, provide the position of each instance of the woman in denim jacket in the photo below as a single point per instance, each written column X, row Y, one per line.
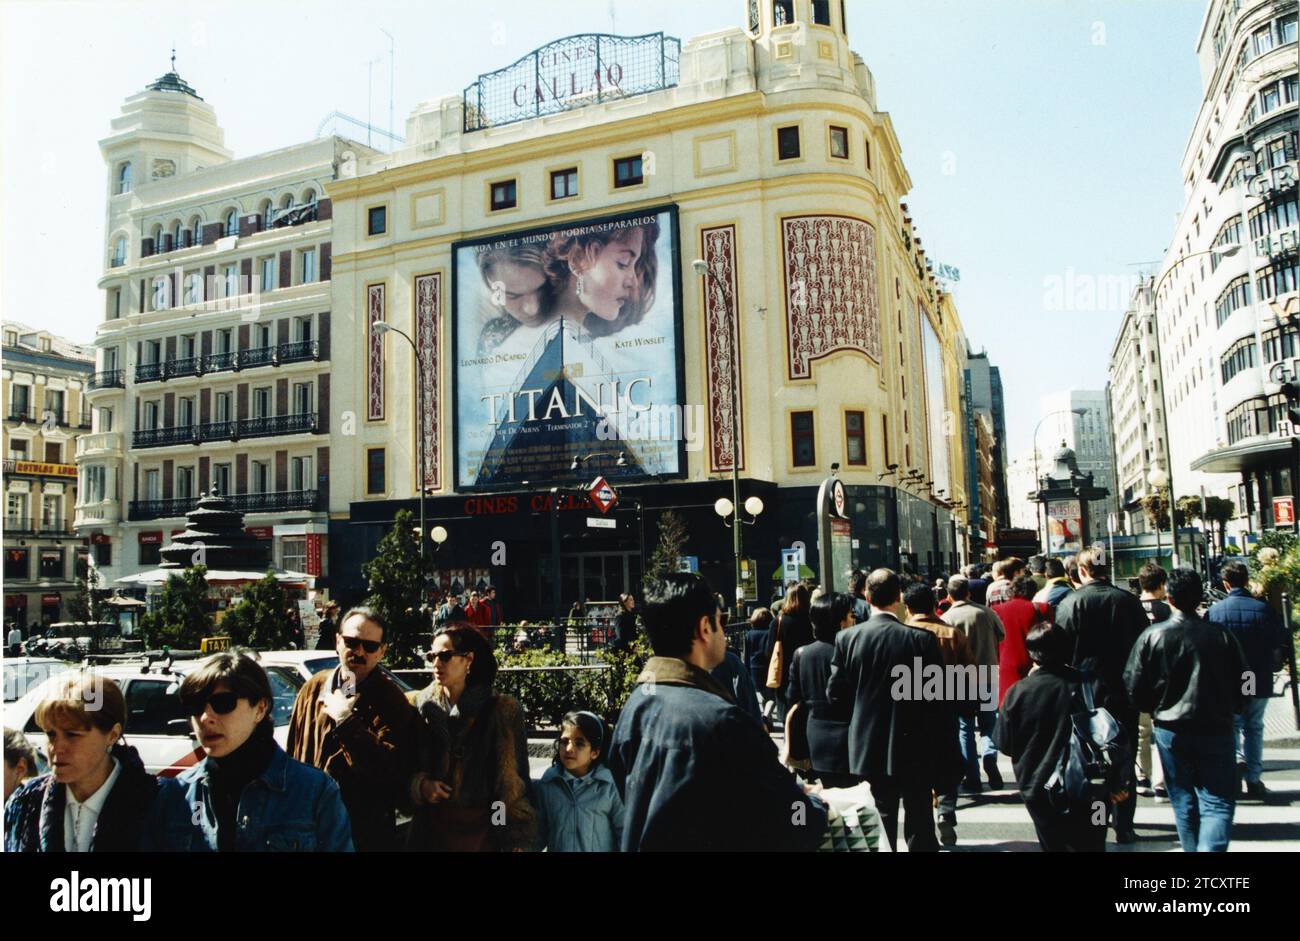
column 247, row 795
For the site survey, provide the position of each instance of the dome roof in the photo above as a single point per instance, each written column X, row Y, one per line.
column 173, row 82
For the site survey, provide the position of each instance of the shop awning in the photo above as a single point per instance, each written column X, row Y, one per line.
column 1246, row 456
column 217, row 576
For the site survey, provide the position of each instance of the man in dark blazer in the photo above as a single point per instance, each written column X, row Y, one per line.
column 897, row 740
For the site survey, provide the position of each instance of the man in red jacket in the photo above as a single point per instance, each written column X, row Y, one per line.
column 477, row 612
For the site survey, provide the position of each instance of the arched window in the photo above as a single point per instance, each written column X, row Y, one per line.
column 196, row 227
column 286, row 203
column 232, row 222
column 309, row 198
column 178, row 231
column 268, row 213
column 124, row 176
column 157, row 238
column 119, row 251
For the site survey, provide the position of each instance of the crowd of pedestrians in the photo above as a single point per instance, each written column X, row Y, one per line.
column 690, row 763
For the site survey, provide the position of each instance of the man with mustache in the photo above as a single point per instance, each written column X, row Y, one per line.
column 354, row 723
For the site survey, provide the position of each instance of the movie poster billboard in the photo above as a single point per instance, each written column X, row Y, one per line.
column 1064, row 526
column 938, row 421
column 567, row 342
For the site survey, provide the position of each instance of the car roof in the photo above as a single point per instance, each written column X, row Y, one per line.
column 15, row 661
column 294, row 656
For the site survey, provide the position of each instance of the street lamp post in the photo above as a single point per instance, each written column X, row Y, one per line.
column 380, row 327
column 1159, row 479
column 702, row 269
column 1060, row 411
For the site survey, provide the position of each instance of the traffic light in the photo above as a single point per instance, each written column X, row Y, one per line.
column 1291, row 390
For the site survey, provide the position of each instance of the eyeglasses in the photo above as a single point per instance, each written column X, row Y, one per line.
column 442, row 656
column 370, row 646
column 222, row 704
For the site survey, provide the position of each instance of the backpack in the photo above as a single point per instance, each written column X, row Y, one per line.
column 1096, row 756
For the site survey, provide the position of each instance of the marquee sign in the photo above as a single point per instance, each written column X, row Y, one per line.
column 570, row 73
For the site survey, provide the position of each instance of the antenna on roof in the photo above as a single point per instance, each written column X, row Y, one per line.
column 173, row 58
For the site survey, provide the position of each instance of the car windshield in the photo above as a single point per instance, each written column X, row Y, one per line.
column 284, row 692
column 321, row 665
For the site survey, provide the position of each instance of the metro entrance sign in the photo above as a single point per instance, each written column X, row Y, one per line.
column 602, row 494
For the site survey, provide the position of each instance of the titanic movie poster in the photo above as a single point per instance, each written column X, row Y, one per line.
column 568, row 342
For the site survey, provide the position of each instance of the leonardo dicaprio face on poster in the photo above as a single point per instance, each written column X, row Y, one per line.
column 568, row 342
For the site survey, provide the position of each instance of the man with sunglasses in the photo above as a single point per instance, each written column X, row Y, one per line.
column 354, row 723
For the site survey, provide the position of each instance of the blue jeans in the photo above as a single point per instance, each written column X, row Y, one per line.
column 1249, row 737
column 1202, row 783
column 984, row 721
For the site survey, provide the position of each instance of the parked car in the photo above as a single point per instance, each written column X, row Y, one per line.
column 26, row 673
column 156, row 724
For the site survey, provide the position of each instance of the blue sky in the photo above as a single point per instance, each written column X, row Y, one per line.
column 1043, row 137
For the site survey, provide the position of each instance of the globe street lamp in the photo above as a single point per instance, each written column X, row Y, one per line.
column 1160, row 480
column 380, row 327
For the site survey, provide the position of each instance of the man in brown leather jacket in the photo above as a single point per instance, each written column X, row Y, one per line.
column 354, row 723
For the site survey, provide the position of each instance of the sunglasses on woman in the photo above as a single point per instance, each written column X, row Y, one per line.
column 442, row 656
column 369, row 646
column 222, row 704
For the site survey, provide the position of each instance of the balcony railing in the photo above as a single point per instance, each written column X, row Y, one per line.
column 56, row 528
column 264, row 427
column 108, row 379
column 299, row 352
column 160, row 509
column 260, row 356
column 277, row 502
column 20, row 524
column 110, row 441
column 277, row 425
column 20, row 413
column 189, row 366
column 161, row 437
column 221, row 362
column 150, row 372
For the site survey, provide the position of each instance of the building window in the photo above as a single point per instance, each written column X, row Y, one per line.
column 754, row 24
column 293, row 554
column 787, row 143
column 300, row 474
column 17, row 564
column 268, row 274
column 262, row 402
column 221, row 478
column 185, row 412
column 1241, row 355
column 1234, row 296
column 840, row 142
column 232, row 281
column 261, row 476
column 1276, row 279
column 150, row 416
column 855, row 438
column 184, row 483
column 51, row 564
column 119, row 252
column 378, row 220
column 232, row 222
column 822, row 12
column 564, row 183
column 375, row 470
column 194, row 288
column 866, row 149
column 1262, row 40
column 782, row 12
column 17, row 449
column 162, row 292
column 150, row 553
column 124, row 178
column 115, row 304
column 302, row 398
column 504, row 195
column 844, row 20
column 1286, row 29
column 308, row 265
column 803, row 445
column 302, row 329
column 152, row 484
column 627, row 171
column 103, row 553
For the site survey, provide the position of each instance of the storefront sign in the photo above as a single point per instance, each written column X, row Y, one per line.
column 596, row 523
column 151, row 539
column 50, row 599
column 545, row 372
column 1283, row 511
column 47, row 470
column 260, row 532
column 313, row 553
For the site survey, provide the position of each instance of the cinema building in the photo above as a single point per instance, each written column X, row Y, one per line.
column 213, row 357
column 531, row 253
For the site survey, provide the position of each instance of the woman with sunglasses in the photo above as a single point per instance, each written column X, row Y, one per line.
column 97, row 796
column 247, row 794
column 472, row 751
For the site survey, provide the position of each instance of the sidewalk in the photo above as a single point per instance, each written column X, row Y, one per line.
column 1279, row 716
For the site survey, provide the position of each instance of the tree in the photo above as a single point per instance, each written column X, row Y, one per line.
column 396, row 578
column 180, row 618
column 1218, row 512
column 672, row 540
column 258, row 620
column 86, row 605
column 1156, row 508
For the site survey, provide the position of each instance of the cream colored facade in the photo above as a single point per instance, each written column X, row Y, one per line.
column 709, row 146
column 46, row 416
column 213, row 356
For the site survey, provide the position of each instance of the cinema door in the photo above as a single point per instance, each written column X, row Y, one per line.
column 593, row 576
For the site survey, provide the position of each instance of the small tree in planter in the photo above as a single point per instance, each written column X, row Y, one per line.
column 397, row 576
column 180, row 618
column 258, row 620
column 672, row 540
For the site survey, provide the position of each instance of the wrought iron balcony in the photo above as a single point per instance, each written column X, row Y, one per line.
column 278, row 502
column 150, row 372
column 218, row 431
column 277, row 425
column 161, row 437
column 222, row 362
column 56, row 528
column 189, row 366
column 299, row 352
column 160, row 509
column 108, row 379
column 20, row 413
column 20, row 524
column 260, row 356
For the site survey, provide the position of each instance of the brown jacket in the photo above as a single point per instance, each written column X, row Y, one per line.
column 952, row 642
column 370, row 754
column 481, row 753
